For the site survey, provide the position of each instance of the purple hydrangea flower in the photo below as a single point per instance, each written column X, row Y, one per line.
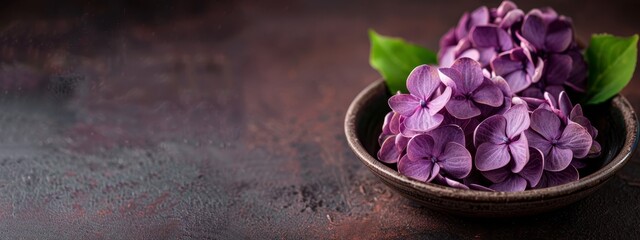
column 556, row 74
column 421, row 106
column 455, row 43
column 578, row 76
column 392, row 143
column 543, row 31
column 567, row 112
column 497, row 66
column 490, row 40
column 507, row 181
column 550, row 178
column 559, row 142
column 507, row 15
column 518, row 68
column 439, row 152
column 471, row 89
column 578, row 117
column 499, row 140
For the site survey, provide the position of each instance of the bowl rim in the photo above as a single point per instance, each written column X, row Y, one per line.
column 582, row 184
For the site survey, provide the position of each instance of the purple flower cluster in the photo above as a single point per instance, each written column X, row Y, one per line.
column 463, row 127
column 534, row 52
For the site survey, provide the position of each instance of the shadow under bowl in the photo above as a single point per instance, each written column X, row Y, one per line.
column 618, row 134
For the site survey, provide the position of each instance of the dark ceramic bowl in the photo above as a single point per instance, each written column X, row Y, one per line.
column 618, row 134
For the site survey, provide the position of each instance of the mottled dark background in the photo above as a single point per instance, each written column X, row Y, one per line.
column 223, row 120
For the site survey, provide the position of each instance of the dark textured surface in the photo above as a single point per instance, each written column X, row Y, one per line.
column 221, row 120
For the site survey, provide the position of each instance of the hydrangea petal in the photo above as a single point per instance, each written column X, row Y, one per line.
column 550, row 179
column 534, row 30
column 497, row 175
column 401, row 143
column 519, row 150
column 435, row 171
column 448, row 39
column 595, row 149
column 546, row 123
column 462, row 109
column 404, row 104
column 386, row 128
column 558, row 159
column 532, row 172
column 449, row 182
column 559, row 36
column 417, row 169
column 491, row 156
column 436, row 104
column 576, row 138
column 537, row 141
column 488, row 94
column 584, row 122
column 480, row 16
column 491, row 36
column 511, row 18
column 388, row 152
column 421, row 120
column 517, row 120
column 420, row 147
column 446, row 56
column 395, row 123
column 564, row 104
column 491, row 130
column 445, row 134
column 505, row 8
column 456, row 160
column 470, row 72
column 537, row 73
column 504, row 64
column 518, row 80
column 423, row 81
column 514, row 183
column 576, row 111
column 558, row 69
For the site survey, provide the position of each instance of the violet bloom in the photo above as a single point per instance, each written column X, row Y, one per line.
column 578, row 76
column 488, row 111
column 559, row 142
column 421, row 106
column 455, row 43
column 543, row 31
column 439, row 152
column 505, row 180
column 490, row 40
column 518, row 68
column 578, row 117
column 507, row 15
column 555, row 76
column 392, row 143
column 471, row 89
column 567, row 112
column 499, row 140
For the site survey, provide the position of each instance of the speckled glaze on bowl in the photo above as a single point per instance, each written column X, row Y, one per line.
column 618, row 134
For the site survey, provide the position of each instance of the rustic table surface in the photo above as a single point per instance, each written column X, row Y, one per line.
column 223, row 120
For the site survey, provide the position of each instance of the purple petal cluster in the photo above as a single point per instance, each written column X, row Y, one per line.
column 462, row 127
column 534, row 52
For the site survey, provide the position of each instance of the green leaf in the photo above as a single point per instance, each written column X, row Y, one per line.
column 394, row 59
column 612, row 61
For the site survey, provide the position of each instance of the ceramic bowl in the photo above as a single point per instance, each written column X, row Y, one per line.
column 618, row 134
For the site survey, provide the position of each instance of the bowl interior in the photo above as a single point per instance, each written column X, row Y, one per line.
column 607, row 117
